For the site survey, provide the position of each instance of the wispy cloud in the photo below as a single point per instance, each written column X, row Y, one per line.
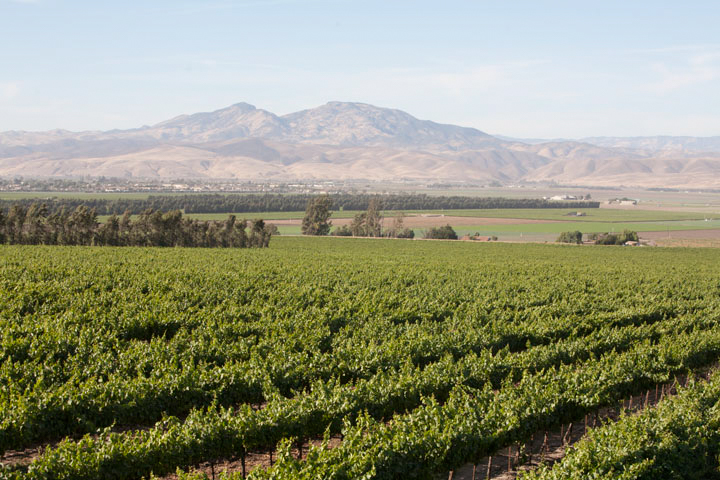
column 444, row 80
column 699, row 68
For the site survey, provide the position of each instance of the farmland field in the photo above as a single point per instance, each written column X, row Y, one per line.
column 557, row 214
column 406, row 356
column 542, row 224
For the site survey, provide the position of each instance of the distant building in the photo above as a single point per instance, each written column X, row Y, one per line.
column 560, row 198
column 622, row 201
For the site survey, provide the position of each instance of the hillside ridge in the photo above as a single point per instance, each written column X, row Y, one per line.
column 354, row 140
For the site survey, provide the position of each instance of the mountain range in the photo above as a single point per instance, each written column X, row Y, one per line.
column 346, row 141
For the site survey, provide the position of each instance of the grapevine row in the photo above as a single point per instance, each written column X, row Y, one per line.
column 474, row 423
column 223, row 433
column 82, row 407
column 680, row 438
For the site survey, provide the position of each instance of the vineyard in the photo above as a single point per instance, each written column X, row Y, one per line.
column 322, row 358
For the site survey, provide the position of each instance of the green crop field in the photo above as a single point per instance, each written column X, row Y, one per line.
column 409, row 358
column 592, row 215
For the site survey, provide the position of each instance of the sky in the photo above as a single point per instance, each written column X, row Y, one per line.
column 529, row 69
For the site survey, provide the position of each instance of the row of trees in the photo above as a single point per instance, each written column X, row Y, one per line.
column 36, row 225
column 614, row 238
column 365, row 224
column 242, row 203
column 600, row 238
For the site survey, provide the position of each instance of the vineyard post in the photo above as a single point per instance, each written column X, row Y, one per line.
column 271, row 457
column 242, row 462
column 487, row 476
column 509, row 458
column 647, row 398
column 474, row 469
column 585, row 431
column 450, row 475
column 568, row 434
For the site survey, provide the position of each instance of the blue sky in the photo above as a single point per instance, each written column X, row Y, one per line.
column 520, row 68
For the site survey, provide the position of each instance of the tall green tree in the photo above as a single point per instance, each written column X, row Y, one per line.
column 317, row 215
column 357, row 227
column 374, row 218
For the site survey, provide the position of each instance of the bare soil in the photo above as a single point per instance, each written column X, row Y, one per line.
column 683, row 238
column 709, row 209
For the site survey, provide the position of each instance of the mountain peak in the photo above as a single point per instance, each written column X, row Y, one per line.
column 239, row 120
column 241, row 106
column 336, row 103
column 362, row 124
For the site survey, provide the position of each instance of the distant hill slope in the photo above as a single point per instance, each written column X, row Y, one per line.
column 343, row 140
column 660, row 144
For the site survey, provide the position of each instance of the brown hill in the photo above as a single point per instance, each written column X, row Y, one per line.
column 342, row 140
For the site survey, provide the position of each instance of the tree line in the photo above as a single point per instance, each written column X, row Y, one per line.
column 247, row 203
column 599, row 238
column 365, row 224
column 38, row 225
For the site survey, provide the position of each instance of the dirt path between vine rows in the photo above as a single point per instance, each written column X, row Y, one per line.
column 549, row 447
column 546, row 447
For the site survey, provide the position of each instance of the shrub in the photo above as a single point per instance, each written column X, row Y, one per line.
column 441, row 233
column 570, row 237
column 617, row 239
column 343, row 231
